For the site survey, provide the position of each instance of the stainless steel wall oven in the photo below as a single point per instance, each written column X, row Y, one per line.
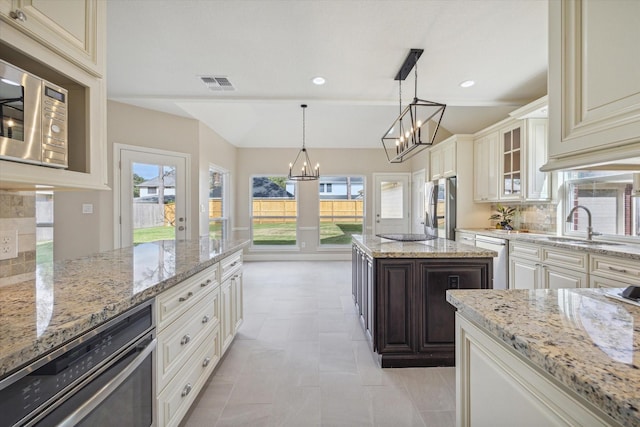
column 104, row 377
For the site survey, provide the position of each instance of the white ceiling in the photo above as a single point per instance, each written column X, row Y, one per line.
column 271, row 49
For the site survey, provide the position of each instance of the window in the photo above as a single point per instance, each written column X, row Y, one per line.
column 152, row 190
column 342, row 211
column 607, row 195
column 274, row 211
column 218, row 210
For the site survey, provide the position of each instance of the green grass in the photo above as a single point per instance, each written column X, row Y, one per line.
column 279, row 234
column 338, row 234
column 152, row 234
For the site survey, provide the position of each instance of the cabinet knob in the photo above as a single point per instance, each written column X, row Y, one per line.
column 205, row 319
column 185, row 339
column 206, row 362
column 18, row 15
column 186, row 390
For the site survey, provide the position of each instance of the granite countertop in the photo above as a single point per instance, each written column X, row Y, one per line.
column 582, row 338
column 378, row 247
column 67, row 298
column 622, row 250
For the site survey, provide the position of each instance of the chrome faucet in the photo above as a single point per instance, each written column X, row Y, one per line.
column 590, row 232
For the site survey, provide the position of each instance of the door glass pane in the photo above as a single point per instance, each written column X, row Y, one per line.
column 391, row 200
column 507, row 142
column 516, row 160
column 516, row 139
column 217, row 204
column 507, row 163
column 153, row 188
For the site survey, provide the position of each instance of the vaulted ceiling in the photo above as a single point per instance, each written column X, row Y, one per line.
column 270, row 50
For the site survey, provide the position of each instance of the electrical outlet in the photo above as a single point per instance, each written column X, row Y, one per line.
column 303, row 244
column 8, row 244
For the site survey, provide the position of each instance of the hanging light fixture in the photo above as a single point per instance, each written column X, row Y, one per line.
column 416, row 127
column 301, row 169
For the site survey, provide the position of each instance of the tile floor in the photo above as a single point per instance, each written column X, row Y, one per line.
column 301, row 359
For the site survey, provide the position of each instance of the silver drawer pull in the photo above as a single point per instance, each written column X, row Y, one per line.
column 233, row 264
column 186, row 390
column 617, row 270
column 18, row 15
column 205, row 283
column 183, row 299
column 185, row 339
column 205, row 319
column 206, row 362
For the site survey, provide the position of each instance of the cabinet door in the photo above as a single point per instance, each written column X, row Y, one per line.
column 436, row 317
column 394, row 297
column 559, row 278
column 538, row 184
column 237, row 300
column 511, row 162
column 436, row 164
column 449, row 160
column 486, row 168
column 594, row 90
column 523, row 274
column 370, row 322
column 226, row 314
column 73, row 29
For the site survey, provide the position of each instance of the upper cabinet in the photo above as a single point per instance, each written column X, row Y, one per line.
column 62, row 41
column 594, row 90
column 71, row 28
column 443, row 159
column 508, row 157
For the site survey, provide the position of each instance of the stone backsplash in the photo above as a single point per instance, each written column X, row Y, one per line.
column 538, row 217
column 18, row 212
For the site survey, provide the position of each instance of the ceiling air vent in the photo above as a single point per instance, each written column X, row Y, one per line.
column 217, row 83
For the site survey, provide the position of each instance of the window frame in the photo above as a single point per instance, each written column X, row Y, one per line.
column 321, row 217
column 252, row 217
column 224, row 219
column 567, row 185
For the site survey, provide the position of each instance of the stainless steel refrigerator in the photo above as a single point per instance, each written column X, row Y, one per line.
column 440, row 216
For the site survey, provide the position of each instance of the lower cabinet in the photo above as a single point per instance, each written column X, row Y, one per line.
column 403, row 308
column 497, row 387
column 196, row 322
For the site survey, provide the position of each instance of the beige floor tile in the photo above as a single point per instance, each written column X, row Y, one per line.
column 245, row 415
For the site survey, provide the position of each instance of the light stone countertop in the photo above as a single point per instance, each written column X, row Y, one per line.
column 67, row 298
column 379, row 247
column 621, row 250
column 588, row 342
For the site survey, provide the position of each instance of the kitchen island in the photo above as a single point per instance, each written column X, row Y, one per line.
column 546, row 357
column 399, row 291
column 192, row 289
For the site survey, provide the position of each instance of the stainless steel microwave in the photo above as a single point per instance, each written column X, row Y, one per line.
column 34, row 121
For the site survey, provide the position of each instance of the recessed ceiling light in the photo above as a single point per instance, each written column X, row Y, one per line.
column 467, row 83
column 319, row 81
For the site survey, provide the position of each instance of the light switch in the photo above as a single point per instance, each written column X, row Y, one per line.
column 87, row 208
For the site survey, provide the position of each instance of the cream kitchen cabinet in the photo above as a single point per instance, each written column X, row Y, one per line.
column 613, row 272
column 443, row 159
column 231, row 297
column 486, row 157
column 73, row 29
column 594, row 90
column 533, row 266
column 42, row 45
column 511, row 156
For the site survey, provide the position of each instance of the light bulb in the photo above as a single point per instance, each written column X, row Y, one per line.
column 10, row 123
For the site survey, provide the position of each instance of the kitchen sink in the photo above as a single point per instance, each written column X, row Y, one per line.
column 573, row 241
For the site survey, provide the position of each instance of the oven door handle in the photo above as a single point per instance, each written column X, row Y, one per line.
column 88, row 406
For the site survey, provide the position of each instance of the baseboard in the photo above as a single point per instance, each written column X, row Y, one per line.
column 248, row 256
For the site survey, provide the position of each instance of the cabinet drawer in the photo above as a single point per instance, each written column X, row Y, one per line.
column 627, row 271
column 572, row 260
column 177, row 300
column 178, row 341
column 174, row 401
column 230, row 265
column 525, row 250
column 603, row 282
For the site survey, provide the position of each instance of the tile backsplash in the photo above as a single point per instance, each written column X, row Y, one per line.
column 18, row 212
column 538, row 217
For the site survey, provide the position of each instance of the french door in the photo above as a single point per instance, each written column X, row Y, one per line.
column 153, row 196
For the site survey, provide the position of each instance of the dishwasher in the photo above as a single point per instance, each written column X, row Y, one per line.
column 501, row 262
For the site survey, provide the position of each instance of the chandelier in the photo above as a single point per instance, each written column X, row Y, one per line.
column 416, row 127
column 301, row 169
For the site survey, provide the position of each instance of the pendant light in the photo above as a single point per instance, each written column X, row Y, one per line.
column 417, row 125
column 300, row 169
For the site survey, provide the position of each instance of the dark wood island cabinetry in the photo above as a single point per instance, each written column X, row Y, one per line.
column 399, row 291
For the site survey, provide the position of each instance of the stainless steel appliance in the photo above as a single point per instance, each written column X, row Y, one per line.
column 104, row 377
column 33, row 118
column 500, row 262
column 440, row 217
